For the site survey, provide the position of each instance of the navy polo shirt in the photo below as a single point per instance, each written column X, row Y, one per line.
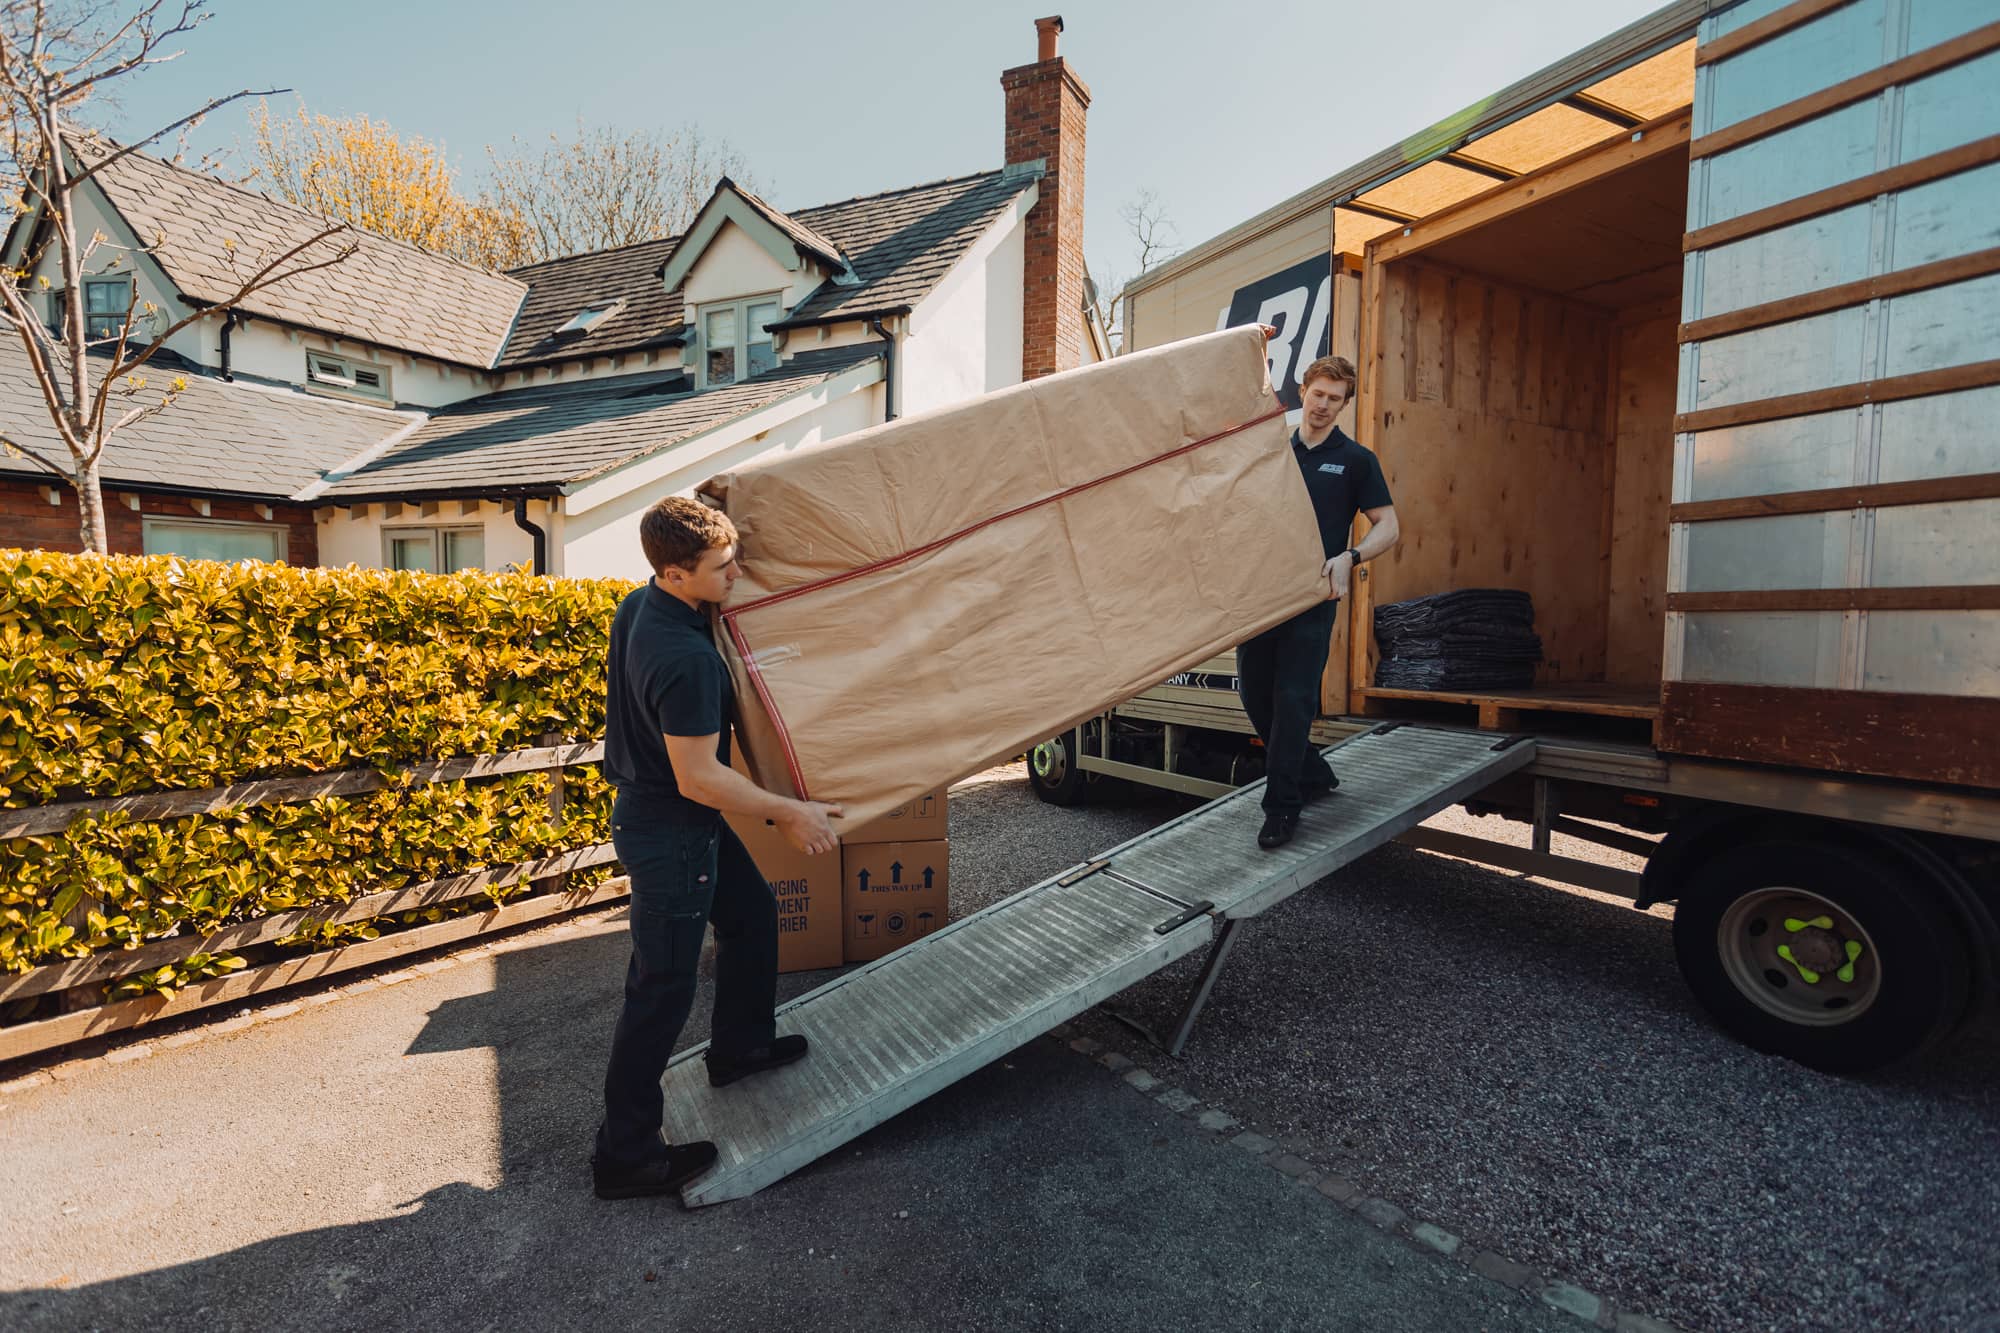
column 665, row 679
column 1343, row 479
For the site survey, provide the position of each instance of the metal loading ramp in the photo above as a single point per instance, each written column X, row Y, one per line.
column 888, row 1035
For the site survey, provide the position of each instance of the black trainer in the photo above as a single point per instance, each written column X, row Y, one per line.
column 656, row 1175
column 1277, row 831
column 781, row 1051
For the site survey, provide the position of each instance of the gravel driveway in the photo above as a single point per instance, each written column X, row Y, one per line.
column 1520, row 1064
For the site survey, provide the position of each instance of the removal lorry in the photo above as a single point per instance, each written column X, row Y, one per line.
column 1695, row 338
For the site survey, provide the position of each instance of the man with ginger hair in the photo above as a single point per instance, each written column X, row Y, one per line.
column 1278, row 672
column 666, row 750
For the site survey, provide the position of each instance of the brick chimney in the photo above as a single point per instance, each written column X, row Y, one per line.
column 1046, row 103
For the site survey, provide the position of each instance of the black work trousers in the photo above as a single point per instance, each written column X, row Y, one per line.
column 684, row 877
column 1277, row 676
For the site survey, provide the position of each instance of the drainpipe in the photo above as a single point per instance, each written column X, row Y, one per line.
column 541, row 537
column 229, row 321
column 888, row 367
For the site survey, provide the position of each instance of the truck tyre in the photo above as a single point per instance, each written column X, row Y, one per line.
column 1053, row 770
column 1826, row 953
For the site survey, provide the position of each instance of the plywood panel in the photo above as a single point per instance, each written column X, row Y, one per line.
column 1346, row 341
column 1474, row 516
column 1652, row 87
column 1613, row 241
column 1491, row 427
column 1352, row 231
column 1536, row 140
column 1642, row 472
column 1433, row 186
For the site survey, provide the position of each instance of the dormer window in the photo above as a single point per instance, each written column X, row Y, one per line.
column 105, row 301
column 340, row 374
column 735, row 344
column 588, row 318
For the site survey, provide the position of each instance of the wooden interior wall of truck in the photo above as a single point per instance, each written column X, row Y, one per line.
column 1518, row 386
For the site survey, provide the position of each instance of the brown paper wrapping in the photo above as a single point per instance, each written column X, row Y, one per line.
column 929, row 597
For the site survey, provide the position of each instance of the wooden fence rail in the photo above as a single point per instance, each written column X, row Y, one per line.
column 95, row 1018
column 429, row 893
column 48, row 1033
column 54, row 818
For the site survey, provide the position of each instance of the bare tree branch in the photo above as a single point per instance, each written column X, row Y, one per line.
column 49, row 67
column 266, row 276
column 125, row 150
column 608, row 187
column 15, row 448
column 269, row 275
column 1155, row 240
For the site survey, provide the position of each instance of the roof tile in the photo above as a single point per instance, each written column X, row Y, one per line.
column 213, row 236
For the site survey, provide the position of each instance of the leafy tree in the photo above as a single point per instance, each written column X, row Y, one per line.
column 360, row 171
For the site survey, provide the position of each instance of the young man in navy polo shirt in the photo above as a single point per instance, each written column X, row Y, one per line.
column 1278, row 672
column 666, row 749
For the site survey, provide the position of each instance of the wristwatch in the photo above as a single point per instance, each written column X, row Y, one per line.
column 1354, row 551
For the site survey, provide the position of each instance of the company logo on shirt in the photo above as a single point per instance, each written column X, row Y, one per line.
column 1337, row 469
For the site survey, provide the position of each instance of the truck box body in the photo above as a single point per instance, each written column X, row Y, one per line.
column 1714, row 385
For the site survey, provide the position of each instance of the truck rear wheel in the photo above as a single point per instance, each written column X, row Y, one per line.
column 1831, row 955
column 1053, row 771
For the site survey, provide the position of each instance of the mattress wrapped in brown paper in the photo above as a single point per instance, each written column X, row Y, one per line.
column 927, row 598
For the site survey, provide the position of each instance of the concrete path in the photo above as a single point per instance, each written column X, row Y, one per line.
column 415, row 1155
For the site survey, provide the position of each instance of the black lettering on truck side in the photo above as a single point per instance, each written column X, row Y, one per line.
column 1299, row 303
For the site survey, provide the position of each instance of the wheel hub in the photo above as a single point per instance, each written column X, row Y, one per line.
column 1049, row 761
column 1813, row 946
column 1799, row 956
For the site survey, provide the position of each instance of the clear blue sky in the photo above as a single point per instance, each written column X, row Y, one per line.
column 1221, row 110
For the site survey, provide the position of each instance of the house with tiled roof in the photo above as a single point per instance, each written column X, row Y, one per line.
column 400, row 409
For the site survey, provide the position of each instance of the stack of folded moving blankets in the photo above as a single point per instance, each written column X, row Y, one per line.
column 1472, row 639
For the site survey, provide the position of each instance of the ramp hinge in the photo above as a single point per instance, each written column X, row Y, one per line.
column 1386, row 728
column 1512, row 741
column 1084, row 871
column 1172, row 924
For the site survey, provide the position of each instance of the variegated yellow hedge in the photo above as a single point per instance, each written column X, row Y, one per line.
column 133, row 674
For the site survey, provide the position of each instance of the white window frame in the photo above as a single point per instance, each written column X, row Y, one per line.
column 116, row 315
column 332, row 373
column 436, row 532
column 743, row 339
column 280, row 533
column 58, row 299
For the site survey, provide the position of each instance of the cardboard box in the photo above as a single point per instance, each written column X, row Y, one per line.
column 921, row 820
column 808, row 892
column 892, row 893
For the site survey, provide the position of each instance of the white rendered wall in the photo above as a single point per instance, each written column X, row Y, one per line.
column 271, row 351
column 734, row 266
column 345, row 539
column 93, row 216
column 965, row 339
column 603, row 542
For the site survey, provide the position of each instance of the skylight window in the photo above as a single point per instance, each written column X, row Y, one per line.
column 588, row 318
